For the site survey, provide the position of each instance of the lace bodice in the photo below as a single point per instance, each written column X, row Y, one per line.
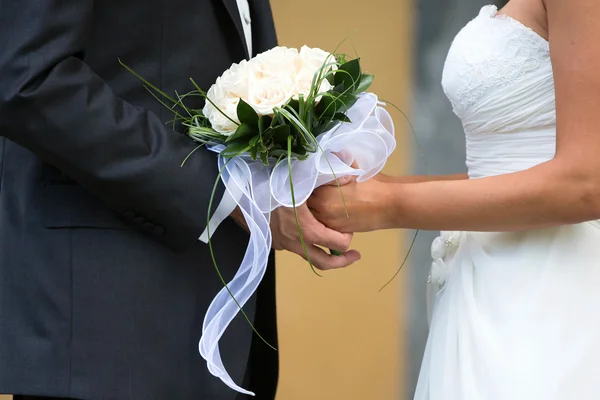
column 498, row 77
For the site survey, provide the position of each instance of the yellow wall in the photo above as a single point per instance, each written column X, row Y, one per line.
column 340, row 339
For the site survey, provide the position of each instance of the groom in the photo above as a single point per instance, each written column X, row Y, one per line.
column 92, row 305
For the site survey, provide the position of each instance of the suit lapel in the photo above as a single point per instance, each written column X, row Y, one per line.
column 234, row 13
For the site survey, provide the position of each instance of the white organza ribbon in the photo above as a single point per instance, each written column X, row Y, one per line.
column 258, row 189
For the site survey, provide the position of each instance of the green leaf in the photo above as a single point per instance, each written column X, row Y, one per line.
column 247, row 115
column 253, row 142
column 264, row 157
column 280, row 134
column 242, row 131
column 341, row 117
column 349, row 74
column 345, row 102
column 325, row 127
column 299, row 149
column 327, row 108
column 278, row 152
column 264, row 123
column 365, row 83
column 339, row 89
column 235, row 148
column 267, row 135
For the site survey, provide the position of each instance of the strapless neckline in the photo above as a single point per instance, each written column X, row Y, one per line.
column 491, row 11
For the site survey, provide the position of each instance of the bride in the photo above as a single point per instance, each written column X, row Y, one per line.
column 516, row 272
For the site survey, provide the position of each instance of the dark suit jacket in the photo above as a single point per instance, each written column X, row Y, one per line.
column 92, row 306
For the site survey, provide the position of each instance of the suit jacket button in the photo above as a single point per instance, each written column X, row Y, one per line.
column 159, row 230
column 139, row 220
column 147, row 226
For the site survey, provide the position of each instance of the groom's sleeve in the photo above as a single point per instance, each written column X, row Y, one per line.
column 53, row 104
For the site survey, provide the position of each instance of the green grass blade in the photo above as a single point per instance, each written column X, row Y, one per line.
column 146, row 82
column 165, row 105
column 403, row 262
column 307, row 135
column 414, row 134
column 423, row 159
column 189, row 155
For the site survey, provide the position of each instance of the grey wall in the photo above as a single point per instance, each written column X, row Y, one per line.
column 441, row 137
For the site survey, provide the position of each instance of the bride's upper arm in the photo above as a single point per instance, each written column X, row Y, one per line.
column 574, row 36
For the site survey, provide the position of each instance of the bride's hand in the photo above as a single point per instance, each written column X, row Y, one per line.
column 366, row 206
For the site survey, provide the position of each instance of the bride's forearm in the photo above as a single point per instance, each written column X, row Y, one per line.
column 541, row 197
column 420, row 178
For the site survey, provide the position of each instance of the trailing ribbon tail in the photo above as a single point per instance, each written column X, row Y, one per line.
column 226, row 305
column 224, row 209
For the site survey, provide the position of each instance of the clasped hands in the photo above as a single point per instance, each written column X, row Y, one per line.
column 329, row 219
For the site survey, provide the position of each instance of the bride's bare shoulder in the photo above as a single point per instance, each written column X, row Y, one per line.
column 531, row 13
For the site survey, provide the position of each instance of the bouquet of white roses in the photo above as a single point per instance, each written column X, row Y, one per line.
column 283, row 123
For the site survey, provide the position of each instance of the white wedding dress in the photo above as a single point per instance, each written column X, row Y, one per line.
column 515, row 316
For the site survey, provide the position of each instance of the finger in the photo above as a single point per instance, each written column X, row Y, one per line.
column 320, row 235
column 342, row 181
column 324, row 261
column 334, row 240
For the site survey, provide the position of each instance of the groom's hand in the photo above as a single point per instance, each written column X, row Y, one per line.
column 286, row 237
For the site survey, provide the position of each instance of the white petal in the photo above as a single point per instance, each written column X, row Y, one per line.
column 438, row 248
column 439, row 271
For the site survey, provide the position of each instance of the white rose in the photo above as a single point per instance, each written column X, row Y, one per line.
column 304, row 82
column 314, row 59
column 439, row 272
column 227, row 103
column 235, row 81
column 277, row 61
column 218, row 93
column 220, row 123
column 270, row 92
